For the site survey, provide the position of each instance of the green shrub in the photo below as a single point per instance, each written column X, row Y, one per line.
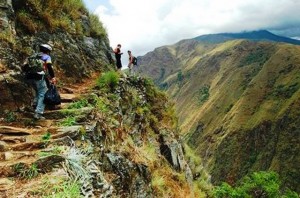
column 258, row 184
column 228, row 108
column 79, row 104
column 179, row 76
column 109, row 80
column 285, row 91
column 68, row 121
column 65, row 189
column 46, row 136
column 203, row 94
column 257, row 56
column 56, row 188
column 26, row 172
column 10, row 116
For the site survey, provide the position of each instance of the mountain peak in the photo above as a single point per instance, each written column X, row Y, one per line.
column 258, row 35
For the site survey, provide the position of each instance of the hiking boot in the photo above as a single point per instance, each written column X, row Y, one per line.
column 39, row 116
column 33, row 105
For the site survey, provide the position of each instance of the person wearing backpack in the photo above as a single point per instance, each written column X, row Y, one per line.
column 39, row 72
column 132, row 62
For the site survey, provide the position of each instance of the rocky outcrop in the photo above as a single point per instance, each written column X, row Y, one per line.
column 7, row 25
column 133, row 178
column 75, row 57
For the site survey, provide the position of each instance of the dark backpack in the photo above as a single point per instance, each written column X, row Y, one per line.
column 134, row 61
column 34, row 64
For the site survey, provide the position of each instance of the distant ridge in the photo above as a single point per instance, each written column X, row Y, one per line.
column 253, row 35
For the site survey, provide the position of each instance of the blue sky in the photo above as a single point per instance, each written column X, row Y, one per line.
column 93, row 4
column 143, row 25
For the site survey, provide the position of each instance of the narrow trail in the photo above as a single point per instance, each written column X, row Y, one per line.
column 25, row 142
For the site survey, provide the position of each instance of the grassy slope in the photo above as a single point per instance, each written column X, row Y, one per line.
column 251, row 118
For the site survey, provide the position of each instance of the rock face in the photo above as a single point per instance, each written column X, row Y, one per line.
column 138, row 142
column 237, row 102
column 75, row 56
column 6, row 17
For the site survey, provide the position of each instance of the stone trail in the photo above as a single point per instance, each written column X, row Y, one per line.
column 23, row 147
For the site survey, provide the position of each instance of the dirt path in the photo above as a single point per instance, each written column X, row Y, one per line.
column 28, row 147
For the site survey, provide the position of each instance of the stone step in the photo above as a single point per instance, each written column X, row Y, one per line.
column 68, row 90
column 15, row 131
column 68, row 97
column 64, row 105
column 16, row 155
column 12, row 139
column 72, row 131
column 57, row 135
column 28, row 146
column 17, row 167
column 63, row 113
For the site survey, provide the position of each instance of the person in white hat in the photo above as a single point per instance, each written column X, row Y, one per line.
column 40, row 80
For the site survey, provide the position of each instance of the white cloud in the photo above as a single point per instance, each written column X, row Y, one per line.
column 141, row 25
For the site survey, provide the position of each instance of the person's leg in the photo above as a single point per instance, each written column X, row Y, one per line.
column 130, row 69
column 35, row 99
column 41, row 90
column 119, row 64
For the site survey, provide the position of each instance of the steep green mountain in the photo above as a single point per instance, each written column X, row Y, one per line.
column 238, row 104
column 254, row 35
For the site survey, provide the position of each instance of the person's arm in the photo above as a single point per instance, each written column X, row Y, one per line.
column 51, row 73
column 119, row 51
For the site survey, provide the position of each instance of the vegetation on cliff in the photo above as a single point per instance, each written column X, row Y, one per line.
column 56, row 15
column 258, row 184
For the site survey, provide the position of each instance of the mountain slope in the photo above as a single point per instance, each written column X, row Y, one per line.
column 254, row 35
column 238, row 104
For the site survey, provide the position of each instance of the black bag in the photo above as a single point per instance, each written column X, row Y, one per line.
column 134, row 61
column 52, row 96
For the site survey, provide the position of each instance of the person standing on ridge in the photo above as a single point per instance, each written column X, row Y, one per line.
column 40, row 78
column 118, row 54
column 131, row 62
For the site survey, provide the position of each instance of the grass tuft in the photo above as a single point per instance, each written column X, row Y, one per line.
column 109, row 80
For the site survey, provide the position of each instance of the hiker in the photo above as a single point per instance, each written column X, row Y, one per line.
column 132, row 62
column 39, row 78
column 118, row 54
